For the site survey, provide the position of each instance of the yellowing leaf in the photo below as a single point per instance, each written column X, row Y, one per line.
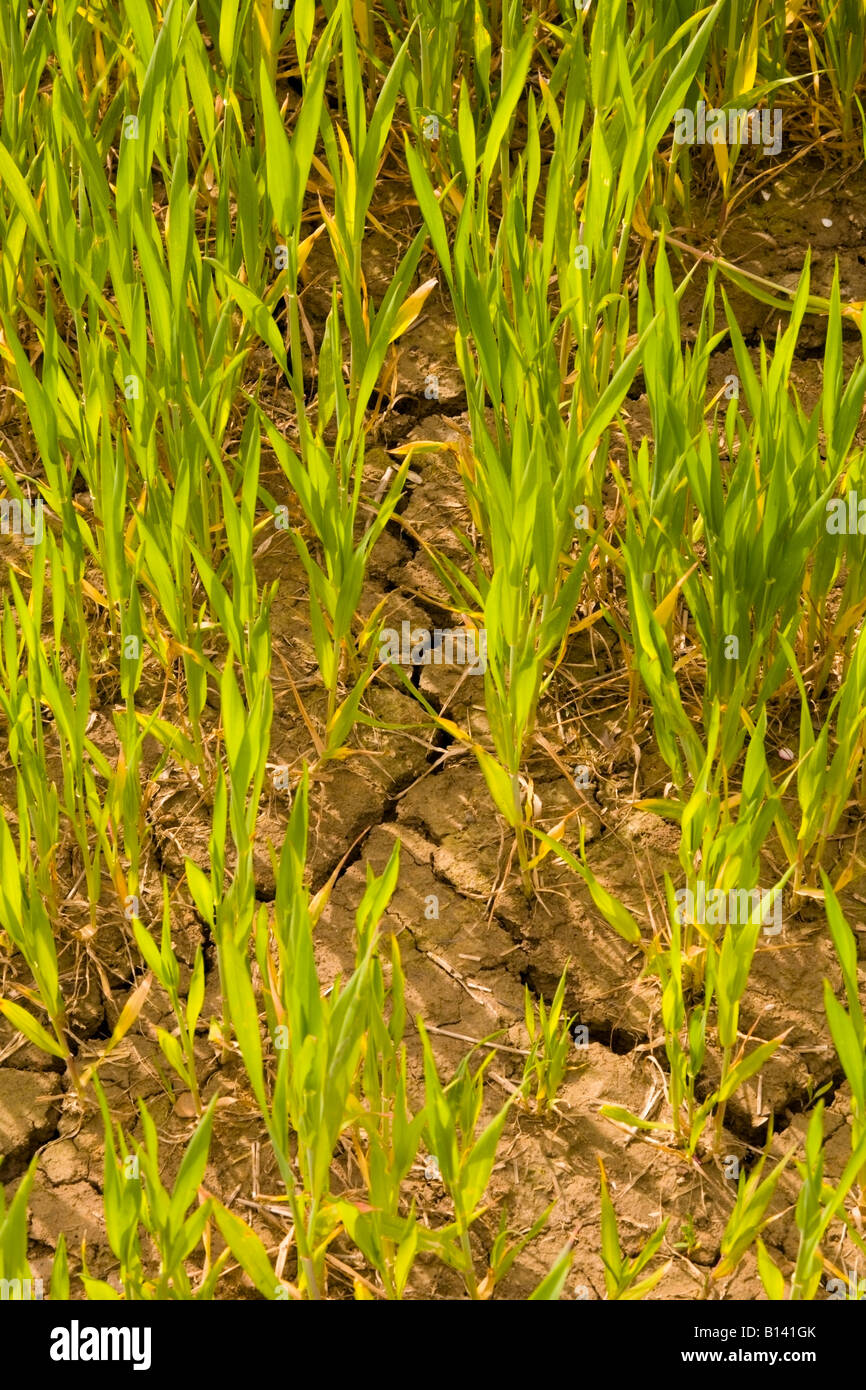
column 555, row 834
column 665, row 609
column 306, row 246
column 94, row 595
column 747, row 61
column 34, row 1032
column 411, row 308
column 640, row 223
column 499, row 785
column 433, row 446
column 350, row 183
column 128, row 1014
column 720, row 153
column 451, row 728
column 361, row 18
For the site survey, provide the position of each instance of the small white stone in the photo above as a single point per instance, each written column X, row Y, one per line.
column 826, row 221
